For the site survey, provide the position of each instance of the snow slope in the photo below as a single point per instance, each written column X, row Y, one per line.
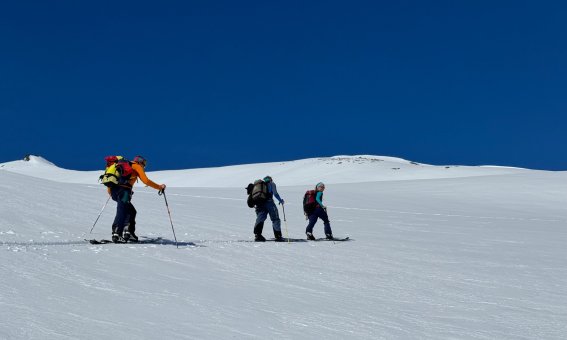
column 477, row 256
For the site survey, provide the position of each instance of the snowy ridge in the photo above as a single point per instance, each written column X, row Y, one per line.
column 331, row 170
column 40, row 167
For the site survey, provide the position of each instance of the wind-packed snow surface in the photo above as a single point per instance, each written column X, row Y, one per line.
column 436, row 253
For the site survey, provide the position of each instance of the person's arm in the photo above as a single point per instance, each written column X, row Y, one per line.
column 142, row 175
column 275, row 192
column 319, row 198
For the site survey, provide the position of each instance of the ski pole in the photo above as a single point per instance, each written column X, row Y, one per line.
column 162, row 192
column 285, row 221
column 99, row 214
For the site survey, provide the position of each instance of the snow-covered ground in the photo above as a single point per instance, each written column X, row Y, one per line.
column 437, row 252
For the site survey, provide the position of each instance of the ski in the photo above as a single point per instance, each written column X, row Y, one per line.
column 93, row 241
column 285, row 240
column 144, row 241
column 299, row 240
column 335, row 239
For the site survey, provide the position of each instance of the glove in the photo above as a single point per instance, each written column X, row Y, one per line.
column 282, row 201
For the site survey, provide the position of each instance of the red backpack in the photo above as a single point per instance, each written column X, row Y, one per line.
column 118, row 171
column 309, row 201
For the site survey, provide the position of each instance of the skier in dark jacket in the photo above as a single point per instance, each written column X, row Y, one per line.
column 268, row 208
column 320, row 212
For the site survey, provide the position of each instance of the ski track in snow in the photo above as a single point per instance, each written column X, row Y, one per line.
column 393, row 211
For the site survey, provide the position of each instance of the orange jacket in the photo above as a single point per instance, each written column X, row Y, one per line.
column 139, row 172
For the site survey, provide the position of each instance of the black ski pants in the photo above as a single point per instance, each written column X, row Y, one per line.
column 125, row 211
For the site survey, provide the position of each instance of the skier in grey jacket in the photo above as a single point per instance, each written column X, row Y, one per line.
column 268, row 208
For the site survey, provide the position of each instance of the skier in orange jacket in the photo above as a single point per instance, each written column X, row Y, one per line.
column 125, row 211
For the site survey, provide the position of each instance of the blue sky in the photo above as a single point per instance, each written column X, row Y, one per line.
column 208, row 83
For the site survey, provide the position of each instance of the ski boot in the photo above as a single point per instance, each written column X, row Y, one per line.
column 133, row 236
column 117, row 238
column 259, row 238
column 329, row 237
column 278, row 236
column 129, row 236
column 310, row 236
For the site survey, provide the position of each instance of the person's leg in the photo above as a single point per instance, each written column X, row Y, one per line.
column 312, row 220
column 132, row 217
column 130, row 231
column 261, row 215
column 114, row 196
column 323, row 215
column 258, row 227
column 122, row 198
column 275, row 217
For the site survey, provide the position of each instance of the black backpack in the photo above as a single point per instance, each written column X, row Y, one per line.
column 249, row 193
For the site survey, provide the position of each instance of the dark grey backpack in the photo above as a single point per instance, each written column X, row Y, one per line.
column 259, row 193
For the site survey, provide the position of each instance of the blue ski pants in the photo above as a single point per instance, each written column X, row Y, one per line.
column 262, row 212
column 319, row 213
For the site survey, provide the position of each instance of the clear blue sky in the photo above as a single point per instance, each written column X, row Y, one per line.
column 208, row 83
